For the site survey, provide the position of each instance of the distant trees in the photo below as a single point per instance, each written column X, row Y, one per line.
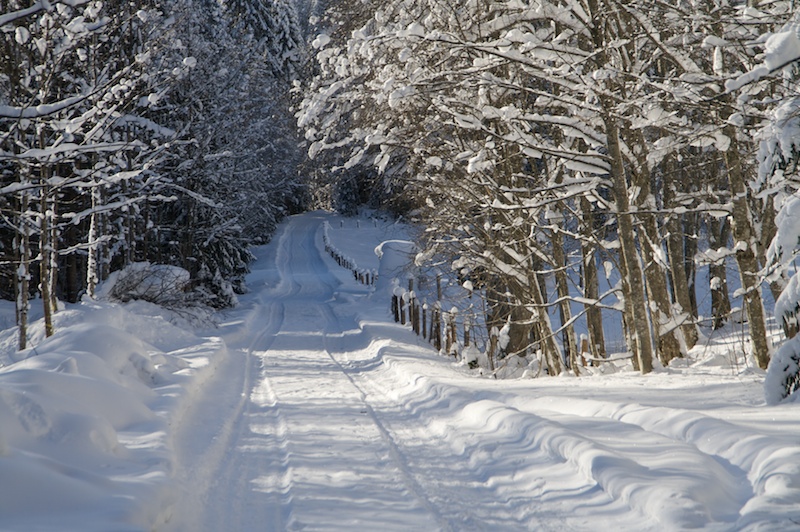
column 138, row 132
column 538, row 140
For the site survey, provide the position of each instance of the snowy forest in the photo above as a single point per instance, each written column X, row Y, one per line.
column 399, row 265
column 538, row 145
column 149, row 132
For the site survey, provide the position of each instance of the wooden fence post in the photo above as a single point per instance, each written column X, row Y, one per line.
column 424, row 319
column 436, row 327
column 412, row 306
column 492, row 346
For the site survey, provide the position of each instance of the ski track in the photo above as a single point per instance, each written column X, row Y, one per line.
column 336, row 426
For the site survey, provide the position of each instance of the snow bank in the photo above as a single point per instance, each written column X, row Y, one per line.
column 86, row 419
column 765, row 486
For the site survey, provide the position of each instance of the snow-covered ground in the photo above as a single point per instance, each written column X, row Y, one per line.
column 309, row 408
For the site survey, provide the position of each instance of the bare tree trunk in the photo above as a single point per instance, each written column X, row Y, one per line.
column 545, row 330
column 23, row 271
column 601, row 32
column 627, row 313
column 45, row 273
column 718, row 236
column 562, row 287
column 690, row 251
column 53, row 210
column 669, row 346
column 594, row 317
column 745, row 245
column 635, row 296
column 92, row 268
column 668, row 337
column 680, row 284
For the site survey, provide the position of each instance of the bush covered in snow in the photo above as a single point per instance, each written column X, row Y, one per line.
column 157, row 283
column 168, row 286
column 783, row 374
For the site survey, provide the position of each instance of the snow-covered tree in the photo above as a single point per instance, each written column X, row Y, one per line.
column 236, row 177
column 524, row 114
column 112, row 150
column 275, row 29
column 777, row 174
column 65, row 88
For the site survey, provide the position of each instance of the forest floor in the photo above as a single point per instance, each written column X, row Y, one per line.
column 308, row 408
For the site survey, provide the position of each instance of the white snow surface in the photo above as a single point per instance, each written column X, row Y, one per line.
column 309, row 408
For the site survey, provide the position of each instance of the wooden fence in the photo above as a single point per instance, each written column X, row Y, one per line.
column 362, row 275
column 439, row 327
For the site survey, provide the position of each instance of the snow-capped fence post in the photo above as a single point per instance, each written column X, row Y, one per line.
column 447, row 342
column 413, row 314
column 585, row 350
column 436, row 326
column 403, row 301
column 424, row 320
column 395, row 308
column 363, row 276
column 466, row 331
column 417, row 316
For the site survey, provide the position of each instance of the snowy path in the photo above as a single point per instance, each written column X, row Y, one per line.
column 329, row 417
column 298, row 444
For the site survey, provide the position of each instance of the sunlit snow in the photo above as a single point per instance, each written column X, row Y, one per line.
column 307, row 407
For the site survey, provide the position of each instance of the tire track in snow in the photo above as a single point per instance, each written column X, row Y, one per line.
column 214, row 475
column 317, row 282
column 294, row 444
column 463, row 459
column 423, row 495
column 261, row 449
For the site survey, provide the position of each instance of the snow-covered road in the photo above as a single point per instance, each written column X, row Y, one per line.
column 330, row 417
column 286, row 438
column 308, row 408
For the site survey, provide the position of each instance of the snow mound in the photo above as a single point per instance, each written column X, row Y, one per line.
column 783, row 373
column 85, row 418
column 141, row 280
